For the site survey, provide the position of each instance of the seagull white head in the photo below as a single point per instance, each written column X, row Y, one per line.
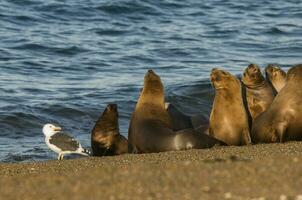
column 50, row 129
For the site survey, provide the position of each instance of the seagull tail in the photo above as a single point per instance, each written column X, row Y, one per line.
column 85, row 152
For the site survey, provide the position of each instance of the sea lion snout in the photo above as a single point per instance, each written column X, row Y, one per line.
column 217, row 75
column 214, row 69
column 252, row 75
column 269, row 68
column 111, row 107
column 151, row 75
column 214, row 73
column 253, row 69
column 219, row 78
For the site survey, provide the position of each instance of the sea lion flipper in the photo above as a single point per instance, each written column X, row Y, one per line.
column 281, row 130
column 189, row 138
column 246, row 137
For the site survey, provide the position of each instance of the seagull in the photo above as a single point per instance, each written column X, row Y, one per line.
column 62, row 143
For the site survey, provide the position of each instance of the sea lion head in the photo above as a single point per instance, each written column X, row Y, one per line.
column 252, row 76
column 108, row 120
column 222, row 79
column 153, row 90
column 274, row 72
column 294, row 73
column 106, row 127
column 105, row 131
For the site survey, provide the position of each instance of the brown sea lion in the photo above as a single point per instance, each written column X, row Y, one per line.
column 180, row 121
column 259, row 93
column 283, row 119
column 150, row 127
column 228, row 119
column 276, row 76
column 106, row 139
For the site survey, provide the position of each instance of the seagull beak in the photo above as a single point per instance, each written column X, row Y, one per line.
column 57, row 128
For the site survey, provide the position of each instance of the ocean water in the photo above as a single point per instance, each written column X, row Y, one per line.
column 63, row 61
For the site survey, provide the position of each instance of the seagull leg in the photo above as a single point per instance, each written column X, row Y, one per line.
column 61, row 156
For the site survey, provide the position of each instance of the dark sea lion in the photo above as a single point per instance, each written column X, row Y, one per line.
column 276, row 76
column 106, row 139
column 259, row 93
column 283, row 119
column 150, row 127
column 228, row 119
column 181, row 121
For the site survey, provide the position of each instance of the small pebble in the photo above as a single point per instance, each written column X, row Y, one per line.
column 299, row 197
column 187, row 163
column 228, row 195
column 259, row 198
column 295, row 160
column 206, row 189
column 283, row 197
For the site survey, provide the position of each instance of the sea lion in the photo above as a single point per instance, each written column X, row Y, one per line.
column 106, row 139
column 180, row 121
column 276, row 76
column 259, row 93
column 228, row 118
column 150, row 127
column 283, row 119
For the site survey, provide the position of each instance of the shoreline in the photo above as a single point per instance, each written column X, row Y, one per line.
column 264, row 171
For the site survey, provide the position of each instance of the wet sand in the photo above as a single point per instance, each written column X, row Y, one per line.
column 270, row 171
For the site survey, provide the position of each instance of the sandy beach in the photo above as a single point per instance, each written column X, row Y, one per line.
column 269, row 171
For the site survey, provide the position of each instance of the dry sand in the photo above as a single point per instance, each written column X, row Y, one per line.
column 270, row 171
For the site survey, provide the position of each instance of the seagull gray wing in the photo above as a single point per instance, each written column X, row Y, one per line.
column 64, row 142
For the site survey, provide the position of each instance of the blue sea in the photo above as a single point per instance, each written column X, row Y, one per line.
column 63, row 61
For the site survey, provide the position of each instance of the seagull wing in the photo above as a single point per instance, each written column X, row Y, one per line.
column 64, row 142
